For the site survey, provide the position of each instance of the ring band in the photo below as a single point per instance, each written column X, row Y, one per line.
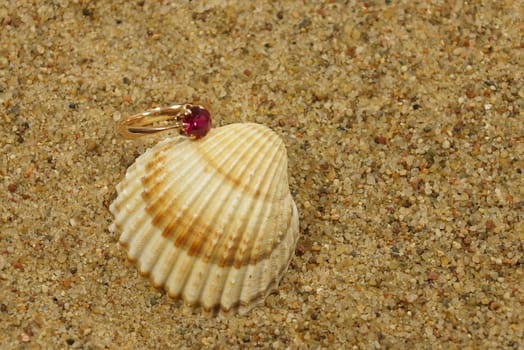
column 192, row 120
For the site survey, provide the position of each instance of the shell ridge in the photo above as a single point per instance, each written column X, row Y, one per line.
column 240, row 160
column 280, row 182
column 164, row 265
column 288, row 248
column 142, row 235
column 153, row 246
column 195, row 281
column 127, row 235
column 135, row 231
column 165, row 150
column 261, row 238
column 141, row 162
column 265, row 269
column 219, row 149
column 216, row 158
column 260, row 221
column 239, row 266
column 250, row 295
column 217, row 145
column 206, row 228
column 250, row 203
column 151, row 252
column 254, row 155
column 210, row 293
column 121, row 211
column 124, row 194
column 235, row 157
column 253, row 256
column 176, row 281
column 139, row 239
column 222, row 241
column 185, row 217
column 221, row 238
column 191, row 242
column 202, row 207
column 229, row 236
column 259, row 202
column 186, row 287
column 277, row 171
column 160, row 206
column 278, row 253
column 214, row 216
column 294, row 222
column 233, row 285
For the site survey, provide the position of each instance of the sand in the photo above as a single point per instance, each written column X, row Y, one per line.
column 404, row 127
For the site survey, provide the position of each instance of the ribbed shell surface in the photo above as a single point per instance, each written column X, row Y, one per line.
column 212, row 221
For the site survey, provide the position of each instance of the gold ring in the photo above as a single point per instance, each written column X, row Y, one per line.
column 191, row 120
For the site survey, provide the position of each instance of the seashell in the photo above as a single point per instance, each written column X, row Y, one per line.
column 211, row 221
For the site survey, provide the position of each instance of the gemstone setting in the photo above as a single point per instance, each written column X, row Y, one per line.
column 197, row 122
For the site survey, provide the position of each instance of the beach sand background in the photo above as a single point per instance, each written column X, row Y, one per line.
column 403, row 123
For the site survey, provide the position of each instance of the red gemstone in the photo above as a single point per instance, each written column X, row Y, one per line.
column 197, row 123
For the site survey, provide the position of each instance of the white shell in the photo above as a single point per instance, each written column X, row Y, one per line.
column 211, row 221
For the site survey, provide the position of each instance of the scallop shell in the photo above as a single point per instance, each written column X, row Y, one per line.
column 211, row 221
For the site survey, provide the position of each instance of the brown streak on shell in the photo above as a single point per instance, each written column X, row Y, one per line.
column 193, row 239
column 198, row 245
column 152, row 167
column 237, row 182
column 255, row 300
